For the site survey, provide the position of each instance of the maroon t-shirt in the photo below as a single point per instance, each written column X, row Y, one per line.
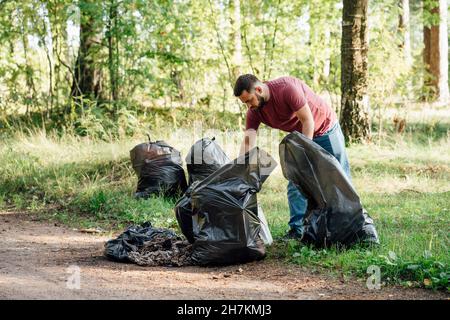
column 287, row 96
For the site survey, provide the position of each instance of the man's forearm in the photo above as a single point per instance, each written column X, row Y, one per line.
column 248, row 143
column 308, row 129
column 306, row 118
column 245, row 147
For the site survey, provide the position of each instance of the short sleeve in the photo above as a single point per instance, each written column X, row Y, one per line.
column 294, row 97
column 252, row 120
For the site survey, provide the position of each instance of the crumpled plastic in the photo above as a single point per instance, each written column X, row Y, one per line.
column 227, row 227
column 132, row 239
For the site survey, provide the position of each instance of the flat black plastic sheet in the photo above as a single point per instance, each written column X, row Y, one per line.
column 204, row 157
column 335, row 214
column 228, row 228
column 159, row 169
column 132, row 239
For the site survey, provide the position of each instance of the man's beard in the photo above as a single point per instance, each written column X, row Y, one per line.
column 261, row 102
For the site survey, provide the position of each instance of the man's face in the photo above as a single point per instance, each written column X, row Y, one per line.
column 252, row 100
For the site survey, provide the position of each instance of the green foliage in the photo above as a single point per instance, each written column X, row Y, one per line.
column 182, row 53
column 426, row 270
column 431, row 13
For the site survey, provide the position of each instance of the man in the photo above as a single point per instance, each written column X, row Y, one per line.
column 290, row 105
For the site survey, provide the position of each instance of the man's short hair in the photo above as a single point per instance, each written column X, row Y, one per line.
column 245, row 82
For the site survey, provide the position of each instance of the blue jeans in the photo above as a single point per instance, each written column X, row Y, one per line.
column 332, row 141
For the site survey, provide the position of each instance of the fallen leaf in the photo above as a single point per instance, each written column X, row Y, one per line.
column 427, row 282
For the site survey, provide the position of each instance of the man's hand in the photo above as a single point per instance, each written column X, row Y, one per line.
column 249, row 141
column 306, row 118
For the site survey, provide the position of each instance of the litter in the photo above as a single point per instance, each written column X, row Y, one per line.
column 146, row 245
column 204, row 157
column 159, row 169
column 335, row 214
column 226, row 224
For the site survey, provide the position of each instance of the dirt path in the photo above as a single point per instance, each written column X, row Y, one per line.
column 35, row 256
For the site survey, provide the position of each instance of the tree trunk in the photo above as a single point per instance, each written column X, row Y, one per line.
column 87, row 81
column 435, row 53
column 354, row 103
column 112, row 50
column 29, row 72
column 404, row 28
column 177, row 79
column 327, row 54
column 313, row 36
column 47, row 32
column 58, row 36
column 236, row 37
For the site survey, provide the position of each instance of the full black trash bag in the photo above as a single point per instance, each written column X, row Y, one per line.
column 335, row 214
column 132, row 240
column 159, row 169
column 204, row 157
column 184, row 214
column 225, row 204
column 186, row 218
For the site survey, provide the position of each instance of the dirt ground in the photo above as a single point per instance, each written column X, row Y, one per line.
column 35, row 257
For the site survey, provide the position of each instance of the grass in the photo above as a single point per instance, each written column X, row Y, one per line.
column 402, row 178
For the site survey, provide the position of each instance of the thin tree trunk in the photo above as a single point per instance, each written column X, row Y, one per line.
column 312, row 40
column 112, row 52
column 274, row 37
column 236, row 37
column 29, row 78
column 269, row 47
column 249, row 51
column 48, row 53
column 50, row 85
column 221, row 46
column 404, row 28
column 53, row 10
column 436, row 52
column 327, row 53
column 177, row 79
column 354, row 103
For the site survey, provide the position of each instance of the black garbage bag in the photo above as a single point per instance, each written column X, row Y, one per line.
column 204, row 157
column 133, row 239
column 227, row 229
column 184, row 215
column 335, row 214
column 186, row 218
column 159, row 169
